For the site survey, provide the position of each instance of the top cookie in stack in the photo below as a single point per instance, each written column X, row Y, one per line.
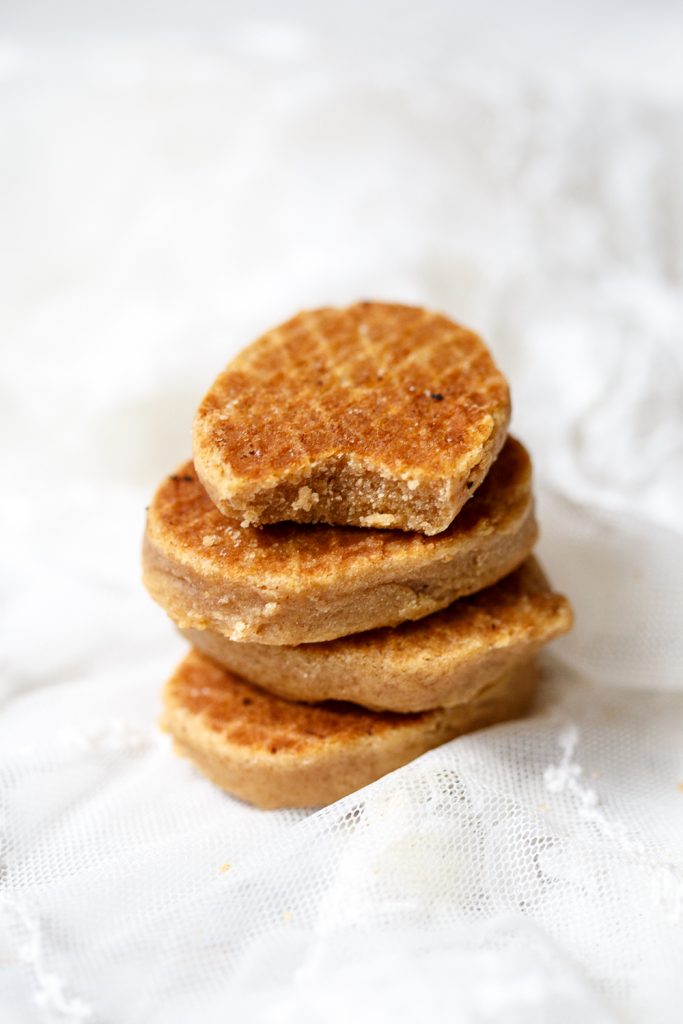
column 377, row 415
column 351, row 475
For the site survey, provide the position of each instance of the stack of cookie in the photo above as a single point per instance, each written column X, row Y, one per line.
column 349, row 555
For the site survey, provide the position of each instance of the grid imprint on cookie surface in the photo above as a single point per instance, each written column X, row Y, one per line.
column 397, row 386
column 248, row 716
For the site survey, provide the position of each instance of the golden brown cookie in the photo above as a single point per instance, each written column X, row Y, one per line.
column 377, row 415
column 292, row 584
column 274, row 753
column 442, row 660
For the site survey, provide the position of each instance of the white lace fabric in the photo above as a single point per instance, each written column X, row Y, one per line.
column 530, row 872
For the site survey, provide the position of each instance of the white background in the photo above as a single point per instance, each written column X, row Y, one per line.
column 175, row 180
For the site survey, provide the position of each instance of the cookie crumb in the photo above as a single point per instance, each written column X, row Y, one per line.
column 378, row 520
column 306, row 499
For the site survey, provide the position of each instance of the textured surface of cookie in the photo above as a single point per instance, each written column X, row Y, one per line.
column 274, row 753
column 377, row 415
column 442, row 660
column 293, row 584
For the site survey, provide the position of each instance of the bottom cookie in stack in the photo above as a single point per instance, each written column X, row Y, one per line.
column 275, row 753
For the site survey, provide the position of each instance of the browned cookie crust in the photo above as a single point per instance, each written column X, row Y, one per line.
column 377, row 415
column 274, row 753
